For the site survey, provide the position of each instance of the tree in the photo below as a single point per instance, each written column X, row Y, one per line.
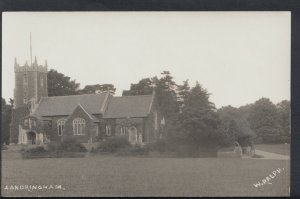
column 97, row 88
column 60, row 85
column 198, row 125
column 6, row 110
column 284, row 112
column 167, row 97
column 236, row 125
column 264, row 120
column 183, row 91
column 143, row 87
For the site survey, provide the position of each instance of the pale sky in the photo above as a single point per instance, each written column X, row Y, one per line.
column 238, row 57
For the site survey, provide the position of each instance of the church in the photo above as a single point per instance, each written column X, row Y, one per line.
column 38, row 119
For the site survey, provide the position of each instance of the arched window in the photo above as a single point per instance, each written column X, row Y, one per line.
column 42, row 81
column 60, row 126
column 78, row 126
column 108, row 130
column 26, row 122
column 25, row 79
column 155, row 121
column 124, row 130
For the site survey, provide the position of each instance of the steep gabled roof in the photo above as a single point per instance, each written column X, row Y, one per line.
column 129, row 106
column 79, row 106
column 64, row 105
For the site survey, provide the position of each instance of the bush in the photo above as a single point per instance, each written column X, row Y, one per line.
column 53, row 146
column 155, row 146
column 38, row 149
column 139, row 150
column 113, row 144
column 68, row 145
column 284, row 139
column 71, row 144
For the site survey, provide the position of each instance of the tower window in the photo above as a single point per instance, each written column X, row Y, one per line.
column 25, row 79
column 25, row 100
column 26, row 122
column 42, row 81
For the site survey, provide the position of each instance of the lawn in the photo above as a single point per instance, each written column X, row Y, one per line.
column 283, row 149
column 142, row 176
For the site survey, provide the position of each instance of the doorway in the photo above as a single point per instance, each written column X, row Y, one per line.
column 31, row 137
column 132, row 131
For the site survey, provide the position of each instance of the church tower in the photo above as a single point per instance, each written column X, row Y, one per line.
column 30, row 83
column 30, row 86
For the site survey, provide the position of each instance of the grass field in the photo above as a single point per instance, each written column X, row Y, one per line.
column 283, row 149
column 142, row 176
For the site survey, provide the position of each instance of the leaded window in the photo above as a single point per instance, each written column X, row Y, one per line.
column 60, row 126
column 78, row 126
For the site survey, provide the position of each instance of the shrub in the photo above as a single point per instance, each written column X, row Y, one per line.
column 38, row 149
column 284, row 139
column 68, row 145
column 159, row 146
column 71, row 144
column 113, row 144
column 53, row 146
column 139, row 150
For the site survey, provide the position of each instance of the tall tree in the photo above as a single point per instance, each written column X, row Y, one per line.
column 237, row 126
column 264, row 120
column 284, row 112
column 6, row 110
column 183, row 92
column 97, row 88
column 167, row 97
column 143, row 87
column 60, row 85
column 198, row 124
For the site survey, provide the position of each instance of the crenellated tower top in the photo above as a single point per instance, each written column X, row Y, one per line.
column 35, row 67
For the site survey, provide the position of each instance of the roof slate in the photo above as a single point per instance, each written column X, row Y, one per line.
column 65, row 105
column 128, row 106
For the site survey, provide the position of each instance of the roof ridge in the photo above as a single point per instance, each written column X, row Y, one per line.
column 131, row 96
column 75, row 95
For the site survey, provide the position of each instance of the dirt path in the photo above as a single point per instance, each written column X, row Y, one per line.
column 273, row 156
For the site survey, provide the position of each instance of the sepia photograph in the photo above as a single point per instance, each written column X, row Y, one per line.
column 146, row 104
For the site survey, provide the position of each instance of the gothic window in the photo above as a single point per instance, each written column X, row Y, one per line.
column 108, row 130
column 78, row 126
column 30, row 123
column 60, row 126
column 155, row 121
column 42, row 81
column 97, row 131
column 26, row 122
column 25, row 100
column 25, row 79
column 124, row 130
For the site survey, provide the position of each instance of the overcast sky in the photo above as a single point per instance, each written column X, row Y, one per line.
column 238, row 57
